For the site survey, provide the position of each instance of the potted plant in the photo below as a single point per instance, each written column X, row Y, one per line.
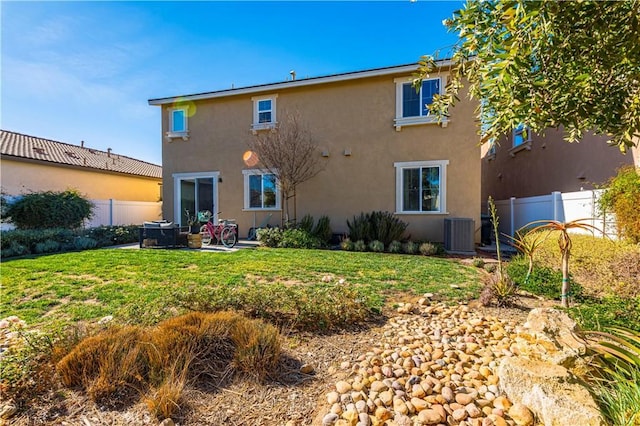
column 192, row 222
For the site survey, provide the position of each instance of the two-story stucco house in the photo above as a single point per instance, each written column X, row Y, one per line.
column 381, row 151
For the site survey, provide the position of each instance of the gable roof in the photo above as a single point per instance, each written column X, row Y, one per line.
column 410, row 68
column 33, row 148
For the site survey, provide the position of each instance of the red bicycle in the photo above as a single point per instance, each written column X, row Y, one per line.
column 225, row 232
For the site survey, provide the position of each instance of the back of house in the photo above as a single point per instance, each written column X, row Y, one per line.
column 377, row 145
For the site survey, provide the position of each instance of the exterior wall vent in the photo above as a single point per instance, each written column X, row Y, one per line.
column 458, row 235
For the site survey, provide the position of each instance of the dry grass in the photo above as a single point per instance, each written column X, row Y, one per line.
column 160, row 361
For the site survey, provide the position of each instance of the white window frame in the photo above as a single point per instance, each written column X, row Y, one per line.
column 256, row 125
column 177, row 177
column 401, row 166
column 401, row 121
column 526, row 141
column 184, row 134
column 247, row 193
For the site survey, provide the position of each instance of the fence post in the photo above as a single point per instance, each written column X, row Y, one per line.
column 110, row 211
column 512, row 216
column 554, row 198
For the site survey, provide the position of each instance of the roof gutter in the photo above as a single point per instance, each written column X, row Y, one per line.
column 296, row 83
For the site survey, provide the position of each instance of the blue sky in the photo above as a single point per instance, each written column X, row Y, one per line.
column 75, row 71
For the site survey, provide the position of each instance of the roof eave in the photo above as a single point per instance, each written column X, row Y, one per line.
column 295, row 83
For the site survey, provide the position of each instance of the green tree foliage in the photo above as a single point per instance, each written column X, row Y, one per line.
column 548, row 64
column 49, row 209
column 622, row 197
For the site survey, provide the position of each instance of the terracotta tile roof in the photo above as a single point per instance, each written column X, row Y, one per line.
column 45, row 150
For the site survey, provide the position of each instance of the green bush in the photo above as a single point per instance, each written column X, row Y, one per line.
column 20, row 242
column 298, row 238
column 395, row 247
column 49, row 209
column 411, row 248
column 360, row 245
column 359, row 228
column 376, row 246
column 269, row 237
column 306, row 223
column 428, row 249
column 48, row 246
column 84, row 243
column 377, row 225
column 478, row 262
column 287, row 238
column 322, row 230
column 622, row 197
column 347, row 244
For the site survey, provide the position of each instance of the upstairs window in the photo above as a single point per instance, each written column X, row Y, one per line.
column 260, row 191
column 264, row 112
column 415, row 103
column 521, row 135
column 178, row 125
column 521, row 139
column 412, row 104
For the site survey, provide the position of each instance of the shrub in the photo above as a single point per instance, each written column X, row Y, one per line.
column 298, row 238
column 428, row 249
column 36, row 241
column 622, row 197
column 498, row 287
column 347, row 244
column 377, row 225
column 49, row 209
column 84, row 243
column 360, row 228
column 490, row 267
column 360, row 245
column 386, row 227
column 478, row 262
column 306, row 223
column 48, row 246
column 322, row 230
column 395, row 247
column 411, row 248
column 376, row 246
column 269, row 237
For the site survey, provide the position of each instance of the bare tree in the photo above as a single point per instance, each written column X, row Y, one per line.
column 290, row 154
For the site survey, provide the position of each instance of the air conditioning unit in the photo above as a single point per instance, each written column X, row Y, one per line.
column 458, row 235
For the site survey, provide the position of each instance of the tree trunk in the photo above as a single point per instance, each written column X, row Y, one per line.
column 564, row 301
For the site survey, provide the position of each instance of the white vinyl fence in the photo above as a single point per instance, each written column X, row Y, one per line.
column 515, row 213
column 117, row 212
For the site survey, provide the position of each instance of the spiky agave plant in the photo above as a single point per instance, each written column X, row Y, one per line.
column 617, row 380
column 564, row 243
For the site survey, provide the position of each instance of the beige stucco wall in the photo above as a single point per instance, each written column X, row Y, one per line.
column 19, row 177
column 356, row 115
column 552, row 164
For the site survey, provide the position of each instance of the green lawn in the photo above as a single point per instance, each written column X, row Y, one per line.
column 91, row 284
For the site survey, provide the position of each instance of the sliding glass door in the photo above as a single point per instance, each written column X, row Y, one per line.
column 194, row 192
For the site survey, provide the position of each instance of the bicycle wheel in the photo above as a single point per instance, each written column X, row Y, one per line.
column 206, row 235
column 228, row 236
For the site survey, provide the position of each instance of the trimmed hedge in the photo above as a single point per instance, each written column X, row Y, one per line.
column 47, row 210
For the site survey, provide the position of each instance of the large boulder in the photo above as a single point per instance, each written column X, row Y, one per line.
column 550, row 335
column 554, row 395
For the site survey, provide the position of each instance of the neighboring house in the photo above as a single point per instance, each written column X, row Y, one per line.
column 380, row 148
column 32, row 164
column 527, row 164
